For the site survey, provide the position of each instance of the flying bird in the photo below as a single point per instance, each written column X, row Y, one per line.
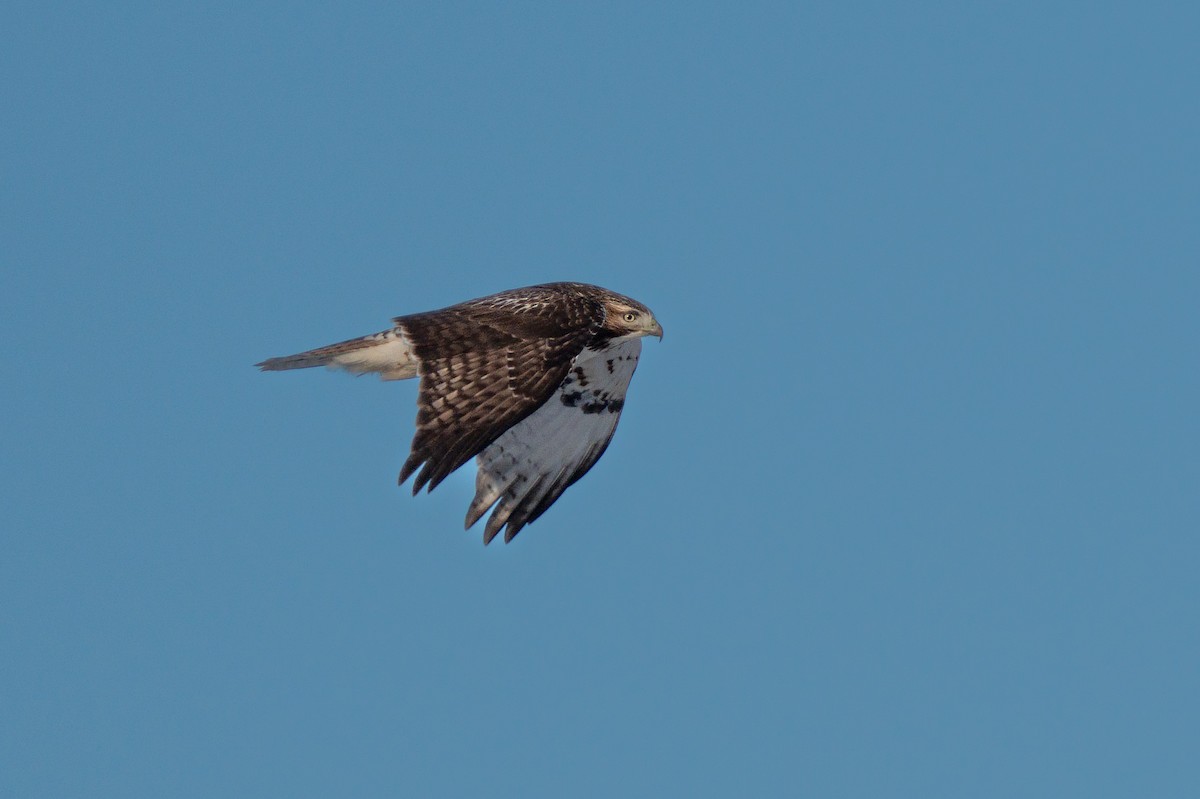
column 530, row 382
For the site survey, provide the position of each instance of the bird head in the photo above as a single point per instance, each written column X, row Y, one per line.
column 629, row 318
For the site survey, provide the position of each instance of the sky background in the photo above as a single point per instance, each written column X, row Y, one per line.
column 905, row 504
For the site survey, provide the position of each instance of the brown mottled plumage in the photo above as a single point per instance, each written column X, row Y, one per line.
column 530, row 381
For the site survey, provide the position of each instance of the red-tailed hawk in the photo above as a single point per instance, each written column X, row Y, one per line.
column 530, row 382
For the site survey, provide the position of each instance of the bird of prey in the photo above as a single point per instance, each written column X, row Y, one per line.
column 530, row 382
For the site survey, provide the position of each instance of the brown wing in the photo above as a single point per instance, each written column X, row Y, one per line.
column 487, row 364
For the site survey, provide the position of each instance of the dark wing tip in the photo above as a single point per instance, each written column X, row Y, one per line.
column 410, row 466
column 511, row 531
column 430, row 476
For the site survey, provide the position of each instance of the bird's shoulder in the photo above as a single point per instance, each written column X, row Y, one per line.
column 548, row 311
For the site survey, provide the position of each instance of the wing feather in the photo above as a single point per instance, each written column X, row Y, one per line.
column 525, row 470
column 485, row 366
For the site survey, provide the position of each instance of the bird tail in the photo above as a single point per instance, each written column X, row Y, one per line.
column 389, row 353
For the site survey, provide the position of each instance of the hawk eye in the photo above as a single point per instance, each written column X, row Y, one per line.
column 631, row 316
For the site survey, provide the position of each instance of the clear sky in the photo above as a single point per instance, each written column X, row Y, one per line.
column 906, row 503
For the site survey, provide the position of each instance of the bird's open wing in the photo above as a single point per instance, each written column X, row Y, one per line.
column 528, row 467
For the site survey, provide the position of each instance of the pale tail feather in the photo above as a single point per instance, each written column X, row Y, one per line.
column 389, row 353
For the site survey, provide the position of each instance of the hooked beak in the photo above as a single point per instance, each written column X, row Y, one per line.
column 656, row 330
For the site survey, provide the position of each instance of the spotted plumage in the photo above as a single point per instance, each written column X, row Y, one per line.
column 530, row 382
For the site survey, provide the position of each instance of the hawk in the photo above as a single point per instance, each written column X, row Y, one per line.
column 530, row 382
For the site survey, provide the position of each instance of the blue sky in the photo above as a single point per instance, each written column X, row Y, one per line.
column 905, row 503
